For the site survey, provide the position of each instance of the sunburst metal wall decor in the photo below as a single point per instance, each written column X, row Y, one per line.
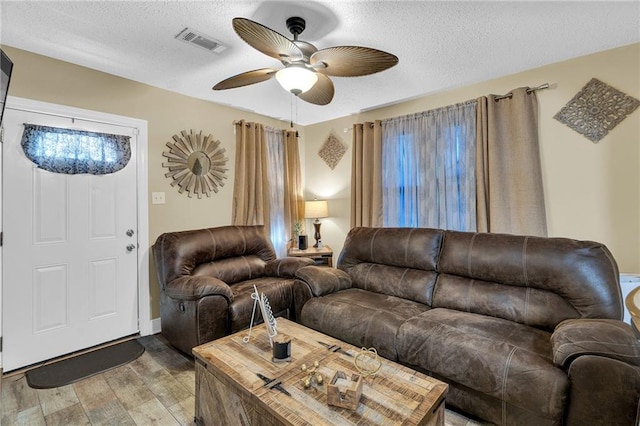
column 196, row 163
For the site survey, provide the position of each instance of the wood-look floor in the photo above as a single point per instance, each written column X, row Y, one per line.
column 158, row 388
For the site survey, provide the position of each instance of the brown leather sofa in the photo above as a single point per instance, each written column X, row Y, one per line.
column 206, row 278
column 526, row 330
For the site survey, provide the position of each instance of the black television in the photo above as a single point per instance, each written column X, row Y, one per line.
column 5, row 76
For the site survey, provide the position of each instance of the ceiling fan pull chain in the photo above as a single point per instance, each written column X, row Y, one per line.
column 291, row 112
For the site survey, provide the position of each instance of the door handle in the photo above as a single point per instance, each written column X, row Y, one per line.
column 131, row 247
column 129, row 232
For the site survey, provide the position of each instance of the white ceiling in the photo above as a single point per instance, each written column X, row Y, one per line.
column 440, row 45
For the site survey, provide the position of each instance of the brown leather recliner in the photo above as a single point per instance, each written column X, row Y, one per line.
column 206, row 278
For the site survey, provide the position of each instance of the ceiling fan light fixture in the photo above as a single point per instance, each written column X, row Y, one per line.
column 296, row 79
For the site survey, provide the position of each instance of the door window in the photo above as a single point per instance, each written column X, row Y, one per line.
column 72, row 151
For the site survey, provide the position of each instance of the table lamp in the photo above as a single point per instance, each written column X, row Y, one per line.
column 316, row 209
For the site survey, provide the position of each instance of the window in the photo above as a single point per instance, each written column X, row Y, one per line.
column 400, row 168
column 428, row 167
column 71, row 151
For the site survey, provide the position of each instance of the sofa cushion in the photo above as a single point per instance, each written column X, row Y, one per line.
column 508, row 361
column 361, row 318
column 279, row 291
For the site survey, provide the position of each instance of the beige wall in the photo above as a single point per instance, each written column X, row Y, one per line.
column 167, row 113
column 592, row 190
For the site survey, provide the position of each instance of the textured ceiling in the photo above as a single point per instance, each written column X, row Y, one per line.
column 441, row 45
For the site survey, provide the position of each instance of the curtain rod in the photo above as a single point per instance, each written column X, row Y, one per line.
column 497, row 98
column 529, row 90
column 237, row 122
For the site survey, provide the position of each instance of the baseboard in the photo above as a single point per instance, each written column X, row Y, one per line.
column 155, row 326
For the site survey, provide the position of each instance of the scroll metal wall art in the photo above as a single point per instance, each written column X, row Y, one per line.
column 196, row 163
column 596, row 109
column 332, row 151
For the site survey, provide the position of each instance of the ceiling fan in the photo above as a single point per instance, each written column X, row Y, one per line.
column 306, row 69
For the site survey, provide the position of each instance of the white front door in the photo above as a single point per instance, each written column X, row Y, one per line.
column 70, row 277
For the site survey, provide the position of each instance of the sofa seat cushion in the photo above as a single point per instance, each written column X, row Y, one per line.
column 279, row 291
column 360, row 317
column 508, row 361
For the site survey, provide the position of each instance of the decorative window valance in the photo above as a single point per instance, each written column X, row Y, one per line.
column 71, row 151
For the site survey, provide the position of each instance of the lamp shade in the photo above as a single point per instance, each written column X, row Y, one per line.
column 296, row 78
column 316, row 209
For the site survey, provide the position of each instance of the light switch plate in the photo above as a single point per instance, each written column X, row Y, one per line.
column 157, row 198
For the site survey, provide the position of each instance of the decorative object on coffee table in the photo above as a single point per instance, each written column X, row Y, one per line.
column 314, row 377
column 367, row 362
column 196, row 163
column 267, row 315
column 345, row 390
column 596, row 109
column 316, row 209
column 281, row 348
column 332, row 151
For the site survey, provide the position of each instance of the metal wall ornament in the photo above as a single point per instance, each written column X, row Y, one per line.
column 196, row 163
column 332, row 151
column 596, row 109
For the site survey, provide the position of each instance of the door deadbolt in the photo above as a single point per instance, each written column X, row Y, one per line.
column 129, row 232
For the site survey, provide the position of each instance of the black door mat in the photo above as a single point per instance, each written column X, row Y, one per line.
column 80, row 367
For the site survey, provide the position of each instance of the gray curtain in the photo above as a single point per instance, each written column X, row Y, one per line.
column 429, row 169
column 509, row 189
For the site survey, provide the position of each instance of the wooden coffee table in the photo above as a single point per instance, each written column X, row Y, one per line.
column 229, row 391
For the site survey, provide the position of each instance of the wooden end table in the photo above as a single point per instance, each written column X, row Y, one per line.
column 322, row 256
column 230, row 392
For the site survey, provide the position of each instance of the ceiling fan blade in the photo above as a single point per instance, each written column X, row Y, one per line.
column 351, row 61
column 264, row 39
column 246, row 78
column 321, row 93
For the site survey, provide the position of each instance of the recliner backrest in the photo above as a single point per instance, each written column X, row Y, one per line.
column 229, row 253
column 532, row 280
column 394, row 261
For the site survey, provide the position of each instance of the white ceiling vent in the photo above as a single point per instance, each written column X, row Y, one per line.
column 196, row 38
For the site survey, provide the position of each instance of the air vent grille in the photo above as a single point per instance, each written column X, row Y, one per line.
column 196, row 38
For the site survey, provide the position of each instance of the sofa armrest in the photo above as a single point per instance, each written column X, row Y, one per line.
column 603, row 391
column 322, row 281
column 286, row 267
column 603, row 337
column 196, row 287
column 316, row 281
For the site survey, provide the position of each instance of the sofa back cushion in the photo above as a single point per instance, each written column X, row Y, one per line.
column 395, row 261
column 229, row 253
column 532, row 280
